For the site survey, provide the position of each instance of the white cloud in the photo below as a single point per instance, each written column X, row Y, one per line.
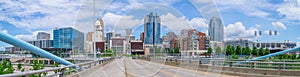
column 248, row 7
column 5, row 31
column 120, row 22
column 33, row 15
column 124, row 6
column 266, row 32
column 278, row 25
column 176, row 24
column 290, row 12
column 198, row 23
column 238, row 30
column 28, row 37
column 257, row 26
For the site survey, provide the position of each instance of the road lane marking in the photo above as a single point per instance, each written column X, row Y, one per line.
column 162, row 70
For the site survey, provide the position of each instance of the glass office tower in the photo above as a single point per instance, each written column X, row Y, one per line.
column 216, row 29
column 152, row 29
column 68, row 38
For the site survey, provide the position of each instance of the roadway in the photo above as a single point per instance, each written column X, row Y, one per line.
column 127, row 67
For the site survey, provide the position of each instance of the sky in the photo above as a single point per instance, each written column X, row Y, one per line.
column 24, row 19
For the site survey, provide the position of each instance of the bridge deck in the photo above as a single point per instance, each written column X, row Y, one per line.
column 139, row 68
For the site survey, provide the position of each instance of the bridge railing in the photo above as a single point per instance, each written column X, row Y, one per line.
column 273, row 64
column 60, row 71
column 266, row 65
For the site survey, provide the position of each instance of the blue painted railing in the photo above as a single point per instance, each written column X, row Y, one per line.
column 29, row 47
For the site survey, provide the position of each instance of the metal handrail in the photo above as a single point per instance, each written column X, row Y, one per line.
column 27, row 73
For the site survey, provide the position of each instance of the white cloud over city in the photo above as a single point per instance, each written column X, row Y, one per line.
column 238, row 30
column 173, row 23
column 247, row 7
column 30, row 37
column 35, row 16
column 39, row 14
column 290, row 12
column 278, row 25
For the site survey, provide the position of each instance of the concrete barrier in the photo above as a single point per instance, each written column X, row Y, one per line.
column 238, row 71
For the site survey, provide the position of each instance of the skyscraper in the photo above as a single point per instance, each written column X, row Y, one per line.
column 68, row 38
column 108, row 36
column 152, row 28
column 98, row 31
column 89, row 46
column 43, row 36
column 142, row 36
column 216, row 29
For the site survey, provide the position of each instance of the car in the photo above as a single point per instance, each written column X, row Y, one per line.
column 133, row 57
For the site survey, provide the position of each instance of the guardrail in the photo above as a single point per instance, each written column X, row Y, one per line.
column 253, row 68
column 60, row 71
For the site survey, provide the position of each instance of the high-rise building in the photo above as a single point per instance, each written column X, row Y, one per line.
column 142, row 36
column 193, row 40
column 243, row 43
column 137, row 47
column 118, row 35
column 89, row 36
column 216, row 29
column 183, row 38
column 118, row 44
column 43, row 36
column 42, row 43
column 68, row 38
column 171, row 40
column 152, row 28
column 89, row 46
column 108, row 36
column 128, row 33
column 98, row 34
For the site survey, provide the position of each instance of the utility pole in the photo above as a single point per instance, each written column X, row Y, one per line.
column 94, row 43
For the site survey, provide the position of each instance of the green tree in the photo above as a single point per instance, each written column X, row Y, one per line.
column 56, row 65
column 247, row 51
column 176, row 50
column 285, row 56
column 238, row 50
column 209, row 50
column 267, row 51
column 108, row 52
column 218, row 50
column 19, row 66
column 293, row 56
column 37, row 66
column 235, row 56
column 243, row 51
column 157, row 50
column 22, row 69
column 232, row 49
column 229, row 50
column 6, row 67
column 254, row 51
column 261, row 51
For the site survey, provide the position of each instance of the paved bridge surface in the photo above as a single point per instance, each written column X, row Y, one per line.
column 127, row 67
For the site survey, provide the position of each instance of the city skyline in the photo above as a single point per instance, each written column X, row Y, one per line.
column 153, row 38
column 242, row 24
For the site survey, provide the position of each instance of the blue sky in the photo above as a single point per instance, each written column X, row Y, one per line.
column 23, row 19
